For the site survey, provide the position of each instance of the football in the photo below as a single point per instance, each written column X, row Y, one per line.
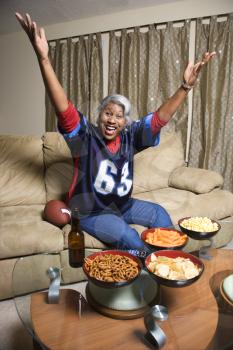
column 57, row 212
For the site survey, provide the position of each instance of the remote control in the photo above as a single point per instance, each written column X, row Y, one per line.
column 141, row 254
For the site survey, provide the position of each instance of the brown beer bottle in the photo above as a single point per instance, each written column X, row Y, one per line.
column 76, row 245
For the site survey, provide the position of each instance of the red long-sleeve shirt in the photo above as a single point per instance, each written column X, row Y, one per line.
column 69, row 119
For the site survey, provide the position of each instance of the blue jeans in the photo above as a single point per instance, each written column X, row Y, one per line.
column 115, row 231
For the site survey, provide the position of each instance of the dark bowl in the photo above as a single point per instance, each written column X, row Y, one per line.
column 175, row 254
column 158, row 247
column 106, row 284
column 198, row 234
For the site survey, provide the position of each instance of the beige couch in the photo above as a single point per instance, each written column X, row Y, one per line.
column 35, row 170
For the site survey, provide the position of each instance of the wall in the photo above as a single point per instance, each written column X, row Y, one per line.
column 22, row 108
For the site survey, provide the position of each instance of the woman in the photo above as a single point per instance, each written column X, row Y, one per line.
column 103, row 154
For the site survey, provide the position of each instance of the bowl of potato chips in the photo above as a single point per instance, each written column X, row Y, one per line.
column 164, row 238
column 174, row 268
column 112, row 268
column 198, row 227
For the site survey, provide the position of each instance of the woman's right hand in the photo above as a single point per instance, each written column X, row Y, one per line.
column 36, row 35
column 38, row 40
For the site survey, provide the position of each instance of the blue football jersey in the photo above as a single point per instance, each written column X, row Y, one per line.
column 103, row 181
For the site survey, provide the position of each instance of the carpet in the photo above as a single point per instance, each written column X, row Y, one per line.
column 13, row 335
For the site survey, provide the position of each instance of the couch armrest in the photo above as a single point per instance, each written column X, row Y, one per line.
column 195, row 180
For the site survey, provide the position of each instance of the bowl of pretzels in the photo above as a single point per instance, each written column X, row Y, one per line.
column 112, row 268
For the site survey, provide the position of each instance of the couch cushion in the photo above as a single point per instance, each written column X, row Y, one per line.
column 36, row 277
column 153, row 166
column 55, row 149
column 217, row 204
column 58, row 166
column 24, row 271
column 6, row 269
column 195, row 180
column 22, row 170
column 58, row 178
column 23, row 232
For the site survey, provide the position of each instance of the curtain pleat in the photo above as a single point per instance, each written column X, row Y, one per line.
column 147, row 67
column 78, row 65
column 211, row 142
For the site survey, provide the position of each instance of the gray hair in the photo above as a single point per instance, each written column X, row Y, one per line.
column 119, row 100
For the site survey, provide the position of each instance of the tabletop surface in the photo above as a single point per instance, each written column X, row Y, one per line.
column 197, row 318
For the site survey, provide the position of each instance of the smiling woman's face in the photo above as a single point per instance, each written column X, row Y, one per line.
column 111, row 121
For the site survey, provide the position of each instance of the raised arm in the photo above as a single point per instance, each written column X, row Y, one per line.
column 169, row 107
column 39, row 42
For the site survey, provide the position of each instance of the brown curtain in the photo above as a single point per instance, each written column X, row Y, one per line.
column 78, row 64
column 147, row 67
column 211, row 142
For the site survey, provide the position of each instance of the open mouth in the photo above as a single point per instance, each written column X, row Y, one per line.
column 109, row 130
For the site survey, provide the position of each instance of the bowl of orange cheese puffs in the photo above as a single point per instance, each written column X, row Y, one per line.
column 164, row 238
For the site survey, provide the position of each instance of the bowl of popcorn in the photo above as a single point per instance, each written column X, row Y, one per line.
column 198, row 227
column 174, row 268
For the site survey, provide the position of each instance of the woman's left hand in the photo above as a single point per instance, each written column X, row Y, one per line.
column 192, row 70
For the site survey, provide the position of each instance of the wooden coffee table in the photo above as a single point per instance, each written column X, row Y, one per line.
column 197, row 319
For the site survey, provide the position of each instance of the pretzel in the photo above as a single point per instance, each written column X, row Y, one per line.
column 111, row 268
